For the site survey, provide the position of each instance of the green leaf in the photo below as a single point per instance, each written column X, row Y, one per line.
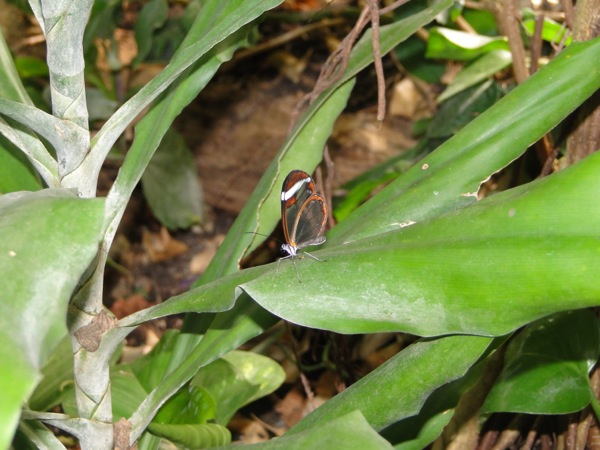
column 547, row 365
column 16, row 173
column 239, row 378
column 552, row 31
column 411, row 55
column 539, row 243
column 11, row 86
column 49, row 238
column 126, row 390
column 57, row 371
column 151, row 368
column 171, row 186
column 350, row 432
column 228, row 331
column 450, row 176
column 191, row 405
column 399, row 388
column 445, row 43
column 217, row 296
column 31, row 67
column 153, row 15
column 482, row 20
column 100, row 107
column 480, row 69
column 193, row 436
column 462, row 108
column 418, row 431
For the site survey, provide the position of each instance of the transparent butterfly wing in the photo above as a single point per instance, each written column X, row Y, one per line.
column 304, row 212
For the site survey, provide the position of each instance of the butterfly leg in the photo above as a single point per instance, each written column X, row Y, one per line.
column 293, row 264
column 314, row 257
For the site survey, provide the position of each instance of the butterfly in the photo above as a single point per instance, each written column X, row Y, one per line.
column 303, row 214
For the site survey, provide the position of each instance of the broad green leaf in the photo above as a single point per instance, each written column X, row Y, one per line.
column 445, row 43
column 237, row 379
column 49, row 238
column 450, row 177
column 546, row 369
column 219, row 389
column 171, row 186
column 359, row 193
column 193, row 404
column 193, row 436
column 487, row 269
column 481, row 69
column 349, row 431
column 418, row 431
column 400, row 387
column 15, row 171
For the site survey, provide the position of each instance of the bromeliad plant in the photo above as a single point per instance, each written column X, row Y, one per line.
column 422, row 256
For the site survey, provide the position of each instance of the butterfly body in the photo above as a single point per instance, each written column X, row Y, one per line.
column 303, row 213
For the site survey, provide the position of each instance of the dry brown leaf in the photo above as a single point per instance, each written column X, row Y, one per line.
column 293, row 407
column 250, row 431
column 161, row 246
column 123, row 307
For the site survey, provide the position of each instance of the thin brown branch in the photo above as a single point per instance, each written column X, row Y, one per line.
column 392, row 7
column 536, row 43
column 377, row 59
column 506, row 14
column 569, row 12
column 278, row 41
column 336, row 64
column 532, row 434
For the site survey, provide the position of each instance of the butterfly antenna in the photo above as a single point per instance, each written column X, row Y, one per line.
column 264, row 235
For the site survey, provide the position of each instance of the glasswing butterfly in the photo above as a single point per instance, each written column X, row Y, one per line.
column 303, row 214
